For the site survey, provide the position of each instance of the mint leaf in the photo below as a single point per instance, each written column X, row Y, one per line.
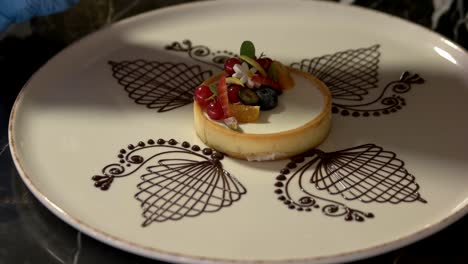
column 213, row 89
column 248, row 49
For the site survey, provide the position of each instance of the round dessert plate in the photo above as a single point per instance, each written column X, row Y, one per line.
column 103, row 136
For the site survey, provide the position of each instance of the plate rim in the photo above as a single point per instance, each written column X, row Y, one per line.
column 155, row 253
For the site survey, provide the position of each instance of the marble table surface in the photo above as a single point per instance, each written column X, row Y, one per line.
column 29, row 233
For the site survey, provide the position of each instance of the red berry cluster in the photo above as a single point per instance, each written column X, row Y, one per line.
column 237, row 93
column 206, row 99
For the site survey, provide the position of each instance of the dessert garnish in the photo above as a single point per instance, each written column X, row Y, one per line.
column 248, row 85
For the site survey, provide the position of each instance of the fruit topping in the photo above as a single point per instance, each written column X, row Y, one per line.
column 229, row 65
column 254, row 64
column 279, row 73
column 245, row 113
column 233, row 93
column 223, row 99
column 233, row 80
column 215, row 111
column 248, row 85
column 264, row 62
column 248, row 96
column 223, row 95
column 203, row 95
column 231, row 122
column 266, row 81
column 267, row 98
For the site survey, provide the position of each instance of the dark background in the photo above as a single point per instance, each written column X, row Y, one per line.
column 29, row 233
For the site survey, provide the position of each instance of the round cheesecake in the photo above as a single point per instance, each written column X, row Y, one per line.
column 300, row 122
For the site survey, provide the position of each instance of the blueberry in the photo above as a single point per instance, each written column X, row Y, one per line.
column 267, row 98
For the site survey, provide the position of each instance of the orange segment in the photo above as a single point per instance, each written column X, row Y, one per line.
column 245, row 113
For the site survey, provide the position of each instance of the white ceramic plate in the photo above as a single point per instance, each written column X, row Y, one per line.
column 404, row 176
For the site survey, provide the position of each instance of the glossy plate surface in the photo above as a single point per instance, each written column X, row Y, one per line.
column 392, row 171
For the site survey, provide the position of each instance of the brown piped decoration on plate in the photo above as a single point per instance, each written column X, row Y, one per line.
column 159, row 85
column 176, row 181
column 202, row 53
column 352, row 75
column 366, row 173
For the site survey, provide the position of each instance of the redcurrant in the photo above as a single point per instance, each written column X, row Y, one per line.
column 265, row 63
column 202, row 95
column 215, row 110
column 229, row 65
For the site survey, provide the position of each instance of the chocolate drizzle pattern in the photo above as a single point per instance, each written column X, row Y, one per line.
column 196, row 182
column 351, row 75
column 384, row 104
column 181, row 180
column 366, row 173
column 159, row 85
column 202, row 53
